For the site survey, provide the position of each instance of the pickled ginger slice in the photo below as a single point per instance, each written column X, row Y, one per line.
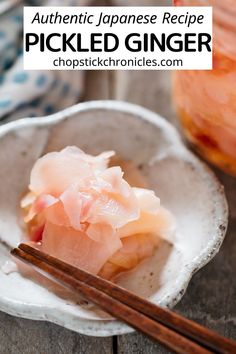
column 56, row 171
column 76, row 248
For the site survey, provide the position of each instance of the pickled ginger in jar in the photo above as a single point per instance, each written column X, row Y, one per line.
column 206, row 99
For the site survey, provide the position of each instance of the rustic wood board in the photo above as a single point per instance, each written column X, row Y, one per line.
column 211, row 296
column 20, row 336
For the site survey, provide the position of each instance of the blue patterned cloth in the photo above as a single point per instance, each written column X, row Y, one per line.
column 31, row 93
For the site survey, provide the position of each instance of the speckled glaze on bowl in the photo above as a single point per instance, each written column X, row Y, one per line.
column 185, row 185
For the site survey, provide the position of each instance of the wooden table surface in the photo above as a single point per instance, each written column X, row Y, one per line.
column 211, row 295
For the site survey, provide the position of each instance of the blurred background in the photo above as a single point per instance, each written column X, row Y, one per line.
column 38, row 93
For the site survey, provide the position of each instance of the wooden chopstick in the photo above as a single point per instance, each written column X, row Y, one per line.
column 153, row 329
column 168, row 318
column 173, row 331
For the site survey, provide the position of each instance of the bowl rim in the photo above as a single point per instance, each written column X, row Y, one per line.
column 113, row 327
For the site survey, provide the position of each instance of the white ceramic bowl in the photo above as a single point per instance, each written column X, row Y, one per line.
column 185, row 185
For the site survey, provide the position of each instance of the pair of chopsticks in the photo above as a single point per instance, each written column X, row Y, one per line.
column 166, row 327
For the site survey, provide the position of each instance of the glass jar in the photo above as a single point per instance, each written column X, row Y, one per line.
column 206, row 100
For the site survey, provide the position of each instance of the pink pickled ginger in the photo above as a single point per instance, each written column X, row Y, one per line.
column 86, row 213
